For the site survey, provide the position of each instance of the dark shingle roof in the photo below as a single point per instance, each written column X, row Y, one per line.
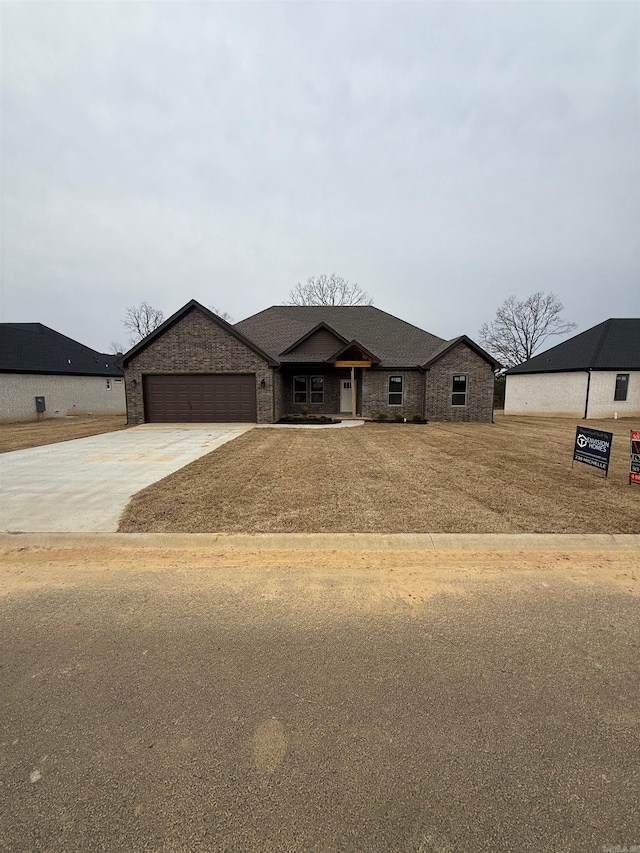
column 395, row 342
column 34, row 348
column 612, row 345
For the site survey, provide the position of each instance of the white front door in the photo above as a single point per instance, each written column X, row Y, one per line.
column 345, row 397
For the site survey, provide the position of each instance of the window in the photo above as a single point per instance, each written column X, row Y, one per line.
column 395, row 390
column 299, row 389
column 303, row 394
column 108, row 385
column 622, row 386
column 317, row 389
column 459, row 390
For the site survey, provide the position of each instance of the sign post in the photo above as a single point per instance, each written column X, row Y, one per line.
column 593, row 447
column 634, row 470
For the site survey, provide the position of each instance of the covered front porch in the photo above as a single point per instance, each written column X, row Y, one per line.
column 318, row 388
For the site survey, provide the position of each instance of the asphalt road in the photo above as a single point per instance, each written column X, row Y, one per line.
column 169, row 711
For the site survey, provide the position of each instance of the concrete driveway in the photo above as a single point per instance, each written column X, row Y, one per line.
column 83, row 485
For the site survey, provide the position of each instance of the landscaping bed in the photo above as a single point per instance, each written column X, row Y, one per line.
column 311, row 420
column 514, row 476
column 400, row 419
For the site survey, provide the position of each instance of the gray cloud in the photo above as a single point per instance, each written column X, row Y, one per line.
column 442, row 155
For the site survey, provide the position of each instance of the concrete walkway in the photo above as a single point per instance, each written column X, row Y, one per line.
column 84, row 485
column 341, row 425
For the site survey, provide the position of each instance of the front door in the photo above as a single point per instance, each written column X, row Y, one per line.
column 345, row 397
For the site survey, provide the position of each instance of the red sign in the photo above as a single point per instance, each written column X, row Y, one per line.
column 634, row 471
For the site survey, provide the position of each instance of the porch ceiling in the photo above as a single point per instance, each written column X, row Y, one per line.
column 354, row 354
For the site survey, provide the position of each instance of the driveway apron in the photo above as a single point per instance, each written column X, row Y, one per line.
column 84, row 484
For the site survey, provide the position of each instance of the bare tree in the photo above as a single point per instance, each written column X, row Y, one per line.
column 141, row 321
column 224, row 314
column 521, row 326
column 328, row 290
column 116, row 348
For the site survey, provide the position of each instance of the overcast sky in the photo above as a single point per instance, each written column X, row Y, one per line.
column 442, row 155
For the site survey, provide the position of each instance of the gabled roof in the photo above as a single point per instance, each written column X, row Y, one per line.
column 35, row 348
column 356, row 345
column 396, row 343
column 611, row 345
column 311, row 332
column 462, row 339
column 193, row 305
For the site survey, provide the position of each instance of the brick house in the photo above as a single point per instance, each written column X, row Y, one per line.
column 595, row 374
column 67, row 377
column 324, row 360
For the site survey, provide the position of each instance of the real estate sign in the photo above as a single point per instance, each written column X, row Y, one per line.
column 634, row 470
column 593, row 447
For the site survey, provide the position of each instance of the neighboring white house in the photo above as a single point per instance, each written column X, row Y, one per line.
column 595, row 374
column 36, row 361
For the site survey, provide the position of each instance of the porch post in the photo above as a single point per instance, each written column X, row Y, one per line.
column 353, row 392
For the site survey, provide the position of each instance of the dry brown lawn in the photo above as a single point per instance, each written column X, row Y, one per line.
column 512, row 476
column 19, row 436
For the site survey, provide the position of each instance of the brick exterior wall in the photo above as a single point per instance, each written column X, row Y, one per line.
column 602, row 390
column 197, row 344
column 279, row 408
column 439, row 379
column 561, row 394
column 64, row 395
column 375, row 391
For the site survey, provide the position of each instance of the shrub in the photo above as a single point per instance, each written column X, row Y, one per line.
column 304, row 411
column 417, row 418
column 398, row 418
column 381, row 416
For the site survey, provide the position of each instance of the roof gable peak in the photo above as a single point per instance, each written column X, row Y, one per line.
column 351, row 347
column 191, row 305
column 322, row 326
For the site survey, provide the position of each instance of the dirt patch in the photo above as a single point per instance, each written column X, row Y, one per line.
column 362, row 580
column 19, row 436
column 513, row 476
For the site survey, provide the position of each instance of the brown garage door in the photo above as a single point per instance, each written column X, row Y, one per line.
column 200, row 398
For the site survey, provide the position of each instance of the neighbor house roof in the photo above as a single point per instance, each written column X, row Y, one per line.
column 395, row 342
column 611, row 345
column 34, row 348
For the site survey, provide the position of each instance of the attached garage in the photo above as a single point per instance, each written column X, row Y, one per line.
column 196, row 368
column 200, row 398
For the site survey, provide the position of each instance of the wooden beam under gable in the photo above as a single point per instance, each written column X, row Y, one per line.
column 354, row 355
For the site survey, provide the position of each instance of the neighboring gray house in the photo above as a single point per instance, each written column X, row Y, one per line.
column 595, row 374
column 36, row 361
column 333, row 360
